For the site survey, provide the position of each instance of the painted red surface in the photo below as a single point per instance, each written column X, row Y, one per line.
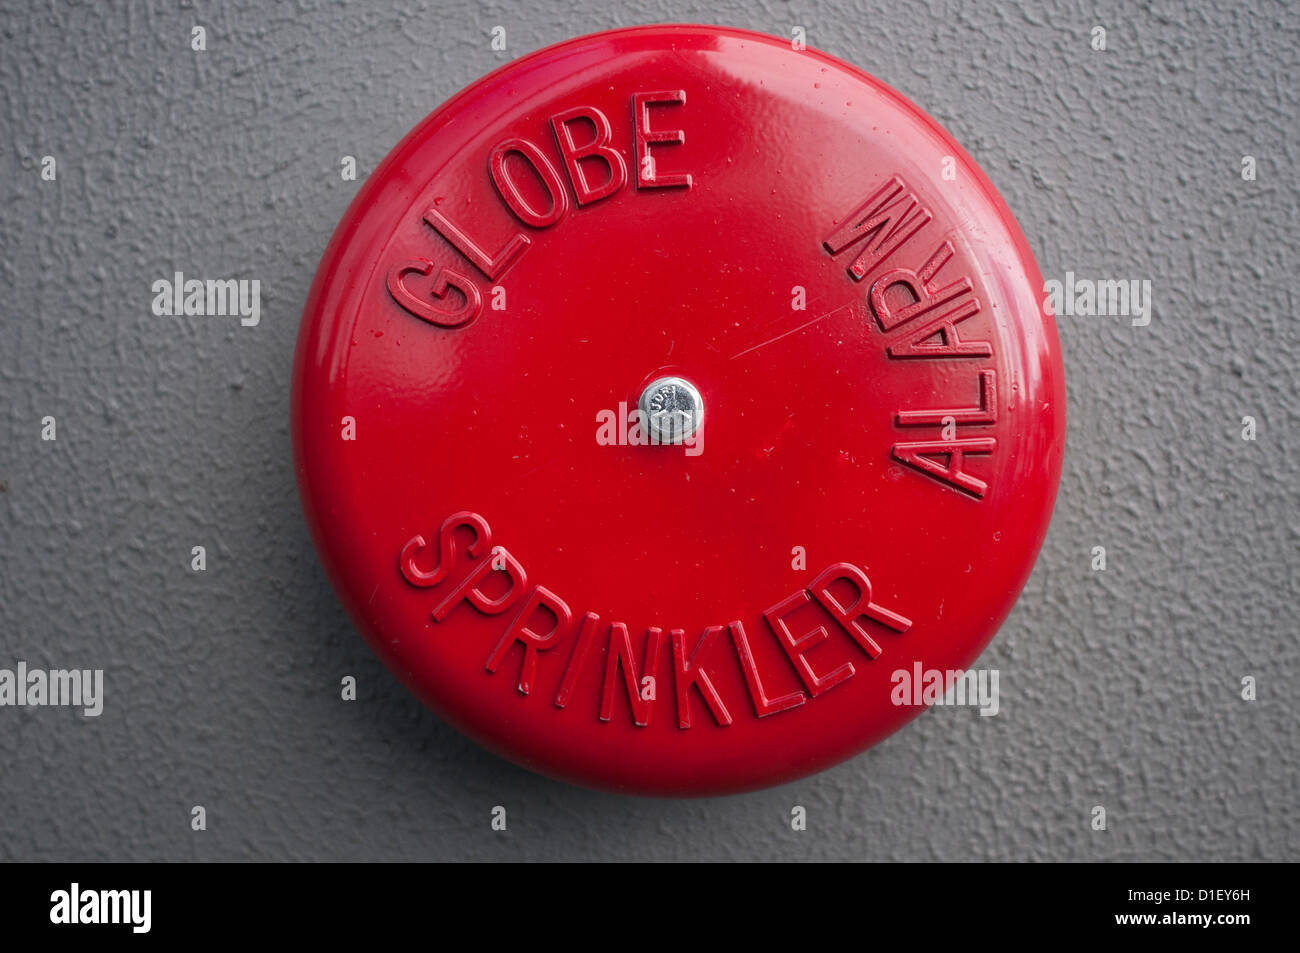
column 884, row 409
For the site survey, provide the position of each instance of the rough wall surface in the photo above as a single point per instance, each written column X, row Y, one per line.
column 1120, row 688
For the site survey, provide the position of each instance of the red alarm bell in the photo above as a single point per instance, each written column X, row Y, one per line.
column 666, row 393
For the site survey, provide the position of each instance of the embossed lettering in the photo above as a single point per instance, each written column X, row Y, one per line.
column 763, row 706
column 984, row 413
column 525, row 200
column 533, row 641
column 797, row 647
column 514, row 196
column 925, row 297
column 646, row 176
column 689, row 671
column 598, row 150
column 467, row 590
column 921, row 454
column 945, row 327
column 494, row 266
column 442, row 281
column 577, row 660
column 889, row 217
column 447, row 548
column 620, row 656
column 543, row 620
column 861, row 607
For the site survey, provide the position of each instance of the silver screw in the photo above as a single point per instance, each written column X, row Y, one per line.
column 672, row 410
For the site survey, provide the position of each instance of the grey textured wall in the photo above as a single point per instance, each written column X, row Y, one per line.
column 1119, row 688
